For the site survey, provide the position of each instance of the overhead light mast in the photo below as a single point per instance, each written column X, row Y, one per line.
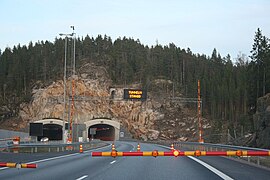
column 71, row 135
column 64, row 82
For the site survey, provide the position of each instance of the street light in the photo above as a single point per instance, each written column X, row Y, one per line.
column 65, row 75
column 74, row 41
column 72, row 135
column 73, row 84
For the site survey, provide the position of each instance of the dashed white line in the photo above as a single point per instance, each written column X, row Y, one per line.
column 113, row 162
column 83, row 177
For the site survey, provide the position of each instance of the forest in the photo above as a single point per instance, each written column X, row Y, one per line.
column 229, row 87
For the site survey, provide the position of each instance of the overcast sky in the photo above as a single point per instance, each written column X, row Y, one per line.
column 202, row 25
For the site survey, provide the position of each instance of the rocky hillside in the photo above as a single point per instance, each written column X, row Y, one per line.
column 156, row 118
column 261, row 137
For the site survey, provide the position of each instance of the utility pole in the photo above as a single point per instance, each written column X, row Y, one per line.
column 199, row 113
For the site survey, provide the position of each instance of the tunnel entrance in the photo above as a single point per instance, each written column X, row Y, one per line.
column 52, row 131
column 104, row 132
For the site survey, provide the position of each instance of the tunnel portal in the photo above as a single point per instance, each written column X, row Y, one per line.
column 104, row 132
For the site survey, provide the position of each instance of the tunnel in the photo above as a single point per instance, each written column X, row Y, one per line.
column 104, row 132
column 52, row 131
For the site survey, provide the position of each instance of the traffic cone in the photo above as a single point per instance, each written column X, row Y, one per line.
column 138, row 148
column 81, row 148
column 113, row 147
column 16, row 143
column 172, row 147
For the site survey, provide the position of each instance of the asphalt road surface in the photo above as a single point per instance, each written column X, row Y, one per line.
column 82, row 166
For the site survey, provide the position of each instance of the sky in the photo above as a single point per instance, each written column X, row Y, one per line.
column 201, row 25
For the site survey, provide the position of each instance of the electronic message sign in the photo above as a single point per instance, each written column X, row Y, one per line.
column 135, row 94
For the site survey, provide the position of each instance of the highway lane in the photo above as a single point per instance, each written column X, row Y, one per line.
column 83, row 166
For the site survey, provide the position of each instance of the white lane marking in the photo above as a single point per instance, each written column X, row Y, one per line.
column 58, row 157
column 211, row 168
column 113, row 162
column 83, row 177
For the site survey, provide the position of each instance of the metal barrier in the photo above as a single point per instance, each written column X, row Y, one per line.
column 42, row 147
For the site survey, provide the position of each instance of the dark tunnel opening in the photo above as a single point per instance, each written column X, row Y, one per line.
column 52, row 131
column 104, row 132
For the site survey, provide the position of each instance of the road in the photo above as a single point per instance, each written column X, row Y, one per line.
column 82, row 166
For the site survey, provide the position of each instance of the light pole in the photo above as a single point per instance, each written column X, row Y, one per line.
column 74, row 41
column 65, row 76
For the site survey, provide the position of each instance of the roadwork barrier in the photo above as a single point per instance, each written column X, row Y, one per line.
column 17, row 165
column 257, row 157
column 176, row 153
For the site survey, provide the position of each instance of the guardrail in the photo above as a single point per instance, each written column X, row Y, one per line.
column 52, row 147
column 259, row 160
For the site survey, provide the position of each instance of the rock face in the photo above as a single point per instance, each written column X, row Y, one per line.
column 148, row 120
column 262, row 122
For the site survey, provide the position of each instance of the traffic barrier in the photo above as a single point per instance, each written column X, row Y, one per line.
column 176, row 153
column 81, row 148
column 17, row 165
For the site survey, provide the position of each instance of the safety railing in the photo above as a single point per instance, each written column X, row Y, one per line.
column 44, row 147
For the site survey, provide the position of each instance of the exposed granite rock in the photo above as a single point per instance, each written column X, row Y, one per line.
column 156, row 118
column 262, row 122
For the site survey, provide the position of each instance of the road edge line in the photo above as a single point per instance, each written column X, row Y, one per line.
column 211, row 168
column 59, row 157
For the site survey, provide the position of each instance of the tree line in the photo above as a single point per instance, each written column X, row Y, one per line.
column 229, row 89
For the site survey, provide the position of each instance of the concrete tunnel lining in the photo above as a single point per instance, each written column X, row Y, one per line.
column 104, row 132
column 112, row 123
column 50, row 121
